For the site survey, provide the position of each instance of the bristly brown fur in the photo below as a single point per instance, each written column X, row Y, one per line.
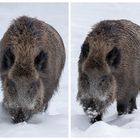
column 32, row 57
column 110, row 67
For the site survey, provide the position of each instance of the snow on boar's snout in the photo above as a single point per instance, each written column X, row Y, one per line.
column 32, row 57
column 23, row 97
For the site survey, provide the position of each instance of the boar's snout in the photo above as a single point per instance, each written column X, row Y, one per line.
column 22, row 98
column 20, row 115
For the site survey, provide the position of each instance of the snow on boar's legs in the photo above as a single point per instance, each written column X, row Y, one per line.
column 32, row 57
column 107, row 68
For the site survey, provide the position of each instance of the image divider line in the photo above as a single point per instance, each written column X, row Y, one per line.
column 69, row 67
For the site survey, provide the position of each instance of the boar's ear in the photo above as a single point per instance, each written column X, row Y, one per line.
column 41, row 61
column 8, row 59
column 113, row 57
column 85, row 50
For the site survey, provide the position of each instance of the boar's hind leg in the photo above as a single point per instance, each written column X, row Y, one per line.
column 90, row 110
column 126, row 106
column 132, row 105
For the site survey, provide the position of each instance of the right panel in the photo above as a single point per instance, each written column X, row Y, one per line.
column 105, row 59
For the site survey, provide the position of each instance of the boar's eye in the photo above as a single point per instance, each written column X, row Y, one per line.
column 11, row 87
column 41, row 61
column 104, row 80
column 84, row 52
column 8, row 59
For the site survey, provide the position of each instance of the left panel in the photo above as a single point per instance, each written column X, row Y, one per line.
column 34, row 70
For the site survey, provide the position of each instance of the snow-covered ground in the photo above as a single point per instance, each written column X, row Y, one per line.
column 83, row 17
column 53, row 123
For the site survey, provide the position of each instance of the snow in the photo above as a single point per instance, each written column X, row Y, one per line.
column 54, row 122
column 84, row 16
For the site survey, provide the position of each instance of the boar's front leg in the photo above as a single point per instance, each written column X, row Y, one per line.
column 132, row 105
column 90, row 109
column 122, row 107
column 127, row 103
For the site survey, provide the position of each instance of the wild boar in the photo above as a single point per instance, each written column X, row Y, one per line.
column 32, row 57
column 109, row 68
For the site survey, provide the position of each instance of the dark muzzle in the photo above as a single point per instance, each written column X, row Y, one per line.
column 20, row 115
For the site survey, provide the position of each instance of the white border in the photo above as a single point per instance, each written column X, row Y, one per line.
column 72, row 1
column 69, row 63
